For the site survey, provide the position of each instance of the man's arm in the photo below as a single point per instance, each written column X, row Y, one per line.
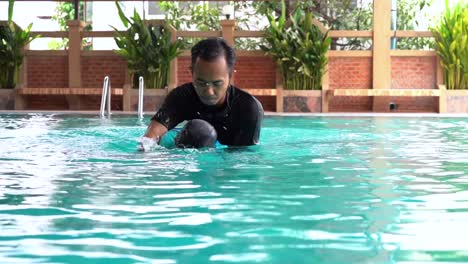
column 250, row 114
column 167, row 117
column 153, row 133
column 155, row 130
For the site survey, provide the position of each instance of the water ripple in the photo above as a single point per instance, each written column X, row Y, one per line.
column 316, row 190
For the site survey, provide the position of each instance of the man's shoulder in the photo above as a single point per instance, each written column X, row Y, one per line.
column 245, row 100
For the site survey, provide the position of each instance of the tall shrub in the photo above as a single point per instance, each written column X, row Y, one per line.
column 299, row 49
column 147, row 49
column 451, row 44
column 13, row 39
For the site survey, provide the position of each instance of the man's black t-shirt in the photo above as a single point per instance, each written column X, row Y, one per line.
column 237, row 122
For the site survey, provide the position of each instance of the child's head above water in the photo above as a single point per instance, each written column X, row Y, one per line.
column 197, row 133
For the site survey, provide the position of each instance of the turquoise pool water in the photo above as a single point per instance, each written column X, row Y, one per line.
column 73, row 189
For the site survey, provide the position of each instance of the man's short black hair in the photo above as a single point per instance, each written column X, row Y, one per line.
column 212, row 48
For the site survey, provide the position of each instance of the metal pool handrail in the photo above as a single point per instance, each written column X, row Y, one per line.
column 141, row 89
column 106, row 94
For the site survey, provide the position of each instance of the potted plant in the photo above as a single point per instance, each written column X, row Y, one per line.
column 299, row 48
column 147, row 48
column 451, row 45
column 13, row 39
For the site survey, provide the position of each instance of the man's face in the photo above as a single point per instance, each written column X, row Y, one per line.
column 211, row 80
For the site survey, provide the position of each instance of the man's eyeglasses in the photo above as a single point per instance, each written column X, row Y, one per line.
column 217, row 84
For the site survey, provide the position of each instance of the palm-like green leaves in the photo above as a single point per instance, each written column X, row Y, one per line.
column 13, row 39
column 147, row 49
column 299, row 49
column 451, row 35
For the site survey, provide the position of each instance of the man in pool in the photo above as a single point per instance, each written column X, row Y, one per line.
column 235, row 115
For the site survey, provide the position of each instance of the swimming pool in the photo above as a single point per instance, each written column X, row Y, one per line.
column 73, row 189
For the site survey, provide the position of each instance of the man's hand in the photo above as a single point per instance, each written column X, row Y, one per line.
column 154, row 132
column 147, row 144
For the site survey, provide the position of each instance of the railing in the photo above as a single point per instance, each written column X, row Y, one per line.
column 141, row 90
column 106, row 98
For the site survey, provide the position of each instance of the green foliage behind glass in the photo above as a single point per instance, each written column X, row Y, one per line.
column 191, row 16
column 451, row 43
column 299, row 49
column 147, row 49
column 65, row 12
column 342, row 15
column 335, row 14
column 407, row 11
column 13, row 39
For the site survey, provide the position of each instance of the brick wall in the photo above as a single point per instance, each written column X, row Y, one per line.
column 7, row 99
column 47, row 71
column 255, row 72
column 268, row 103
column 95, row 68
column 52, row 71
column 94, row 103
column 150, row 103
column 411, row 73
column 59, row 102
column 350, row 72
column 251, row 72
column 183, row 70
column 407, row 104
column 407, row 73
column 49, row 102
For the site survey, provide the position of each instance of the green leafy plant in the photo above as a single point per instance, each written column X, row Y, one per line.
column 64, row 12
column 147, row 49
column 299, row 49
column 207, row 16
column 189, row 15
column 451, row 44
column 407, row 19
column 13, row 39
column 175, row 15
column 336, row 15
